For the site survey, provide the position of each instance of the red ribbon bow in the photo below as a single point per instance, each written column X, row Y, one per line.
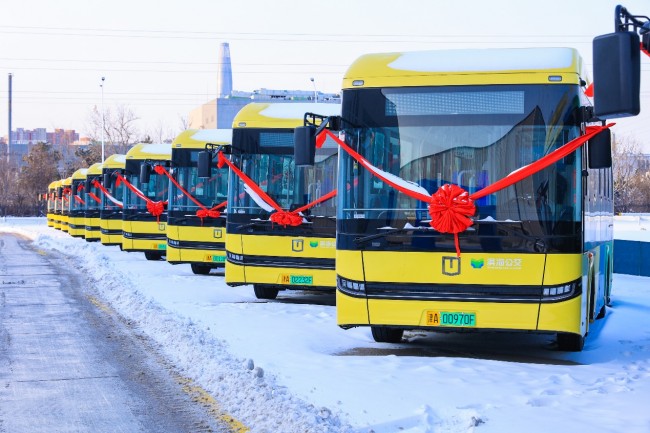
column 285, row 218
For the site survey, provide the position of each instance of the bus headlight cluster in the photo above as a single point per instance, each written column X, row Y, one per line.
column 561, row 291
column 346, row 285
column 238, row 258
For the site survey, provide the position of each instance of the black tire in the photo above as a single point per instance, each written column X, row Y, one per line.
column 200, row 269
column 265, row 292
column 383, row 334
column 570, row 342
column 152, row 255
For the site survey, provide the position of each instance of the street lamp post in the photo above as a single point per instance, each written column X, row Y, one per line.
column 103, row 118
column 315, row 93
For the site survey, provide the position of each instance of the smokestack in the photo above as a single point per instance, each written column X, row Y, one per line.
column 224, row 85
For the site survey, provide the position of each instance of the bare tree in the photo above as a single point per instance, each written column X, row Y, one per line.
column 40, row 169
column 8, row 176
column 625, row 156
column 119, row 126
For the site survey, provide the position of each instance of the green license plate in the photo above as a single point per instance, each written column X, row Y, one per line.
column 303, row 280
column 219, row 259
column 449, row 318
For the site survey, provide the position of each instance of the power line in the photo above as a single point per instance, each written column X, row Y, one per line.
column 276, row 34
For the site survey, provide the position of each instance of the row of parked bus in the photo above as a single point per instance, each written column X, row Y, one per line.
column 154, row 200
column 450, row 191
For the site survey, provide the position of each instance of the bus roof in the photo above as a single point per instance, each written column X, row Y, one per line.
column 198, row 138
column 143, row 151
column 94, row 169
column 280, row 115
column 67, row 181
column 466, row 67
column 80, row 174
column 115, row 161
column 54, row 184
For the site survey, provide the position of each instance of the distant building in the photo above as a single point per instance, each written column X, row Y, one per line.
column 22, row 141
column 220, row 112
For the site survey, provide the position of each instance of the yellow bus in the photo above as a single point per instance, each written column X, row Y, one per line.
column 260, row 251
column 77, row 218
column 92, row 206
column 56, row 213
column 66, row 196
column 196, row 222
column 51, row 200
column 534, row 256
column 144, row 216
column 110, row 214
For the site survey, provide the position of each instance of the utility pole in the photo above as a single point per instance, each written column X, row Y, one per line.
column 103, row 118
column 9, row 138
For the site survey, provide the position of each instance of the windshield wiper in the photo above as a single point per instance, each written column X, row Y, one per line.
column 385, row 233
column 252, row 224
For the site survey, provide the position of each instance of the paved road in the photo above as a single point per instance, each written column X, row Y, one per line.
column 68, row 364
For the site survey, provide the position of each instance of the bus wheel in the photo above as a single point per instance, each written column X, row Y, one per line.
column 570, row 342
column 151, row 255
column 200, row 269
column 265, row 292
column 383, row 334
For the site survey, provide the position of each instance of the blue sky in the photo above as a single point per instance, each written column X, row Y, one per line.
column 159, row 57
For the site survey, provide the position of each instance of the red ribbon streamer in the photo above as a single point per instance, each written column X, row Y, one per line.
column 79, row 199
column 96, row 184
column 204, row 212
column 451, row 206
column 280, row 216
column 155, row 208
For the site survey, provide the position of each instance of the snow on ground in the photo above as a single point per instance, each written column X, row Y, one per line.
column 284, row 366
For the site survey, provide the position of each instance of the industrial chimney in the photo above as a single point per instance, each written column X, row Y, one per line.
column 224, row 85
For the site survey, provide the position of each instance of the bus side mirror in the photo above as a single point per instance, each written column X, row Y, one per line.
column 145, row 173
column 599, row 150
column 107, row 180
column 204, row 164
column 617, row 75
column 304, row 145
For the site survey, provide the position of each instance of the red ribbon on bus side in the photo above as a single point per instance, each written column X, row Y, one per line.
column 94, row 197
column 204, row 212
column 79, row 199
column 280, row 216
column 155, row 208
column 451, row 206
column 96, row 184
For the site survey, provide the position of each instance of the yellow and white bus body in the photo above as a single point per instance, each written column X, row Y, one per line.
column 66, row 196
column 51, row 203
column 110, row 213
column 259, row 252
column 190, row 239
column 92, row 208
column 77, row 217
column 142, row 231
column 538, row 256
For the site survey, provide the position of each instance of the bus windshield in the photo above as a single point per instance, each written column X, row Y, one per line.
column 155, row 190
column 209, row 192
column 267, row 158
column 470, row 136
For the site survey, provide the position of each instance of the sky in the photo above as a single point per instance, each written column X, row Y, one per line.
column 284, row 365
column 159, row 58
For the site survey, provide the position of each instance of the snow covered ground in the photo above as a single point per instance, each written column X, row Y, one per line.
column 284, row 366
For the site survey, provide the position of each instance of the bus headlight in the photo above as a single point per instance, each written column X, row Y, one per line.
column 562, row 291
column 350, row 286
